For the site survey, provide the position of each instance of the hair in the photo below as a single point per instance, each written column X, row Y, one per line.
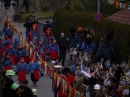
column 25, row 82
column 66, row 70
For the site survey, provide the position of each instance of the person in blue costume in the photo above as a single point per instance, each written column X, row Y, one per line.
column 6, row 63
column 20, row 52
column 12, row 52
column 6, row 42
column 80, row 35
column 87, row 47
column 21, row 69
column 35, row 34
column 54, row 51
column 73, row 40
column 16, row 41
column 48, row 38
column 34, row 69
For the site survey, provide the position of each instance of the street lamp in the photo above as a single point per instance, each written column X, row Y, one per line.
column 98, row 6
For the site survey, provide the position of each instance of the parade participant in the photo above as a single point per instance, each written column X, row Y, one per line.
column 34, row 92
column 93, row 71
column 88, row 47
column 8, row 85
column 73, row 40
column 62, row 42
column 12, row 52
column 96, row 90
column 16, row 42
column 6, row 42
column 54, row 51
column 4, row 26
column 20, row 52
column 101, row 78
column 48, row 38
column 34, row 69
column 6, row 63
column 23, row 90
column 34, row 20
column 68, row 78
column 80, row 35
column 9, row 33
column 21, row 70
column 1, row 47
column 106, row 49
column 118, row 92
column 78, row 61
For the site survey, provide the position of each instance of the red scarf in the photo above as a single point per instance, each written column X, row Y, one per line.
column 119, row 93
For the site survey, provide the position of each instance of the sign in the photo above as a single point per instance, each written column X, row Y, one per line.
column 97, row 16
column 36, row 8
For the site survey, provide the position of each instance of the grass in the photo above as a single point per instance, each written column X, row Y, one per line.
column 41, row 15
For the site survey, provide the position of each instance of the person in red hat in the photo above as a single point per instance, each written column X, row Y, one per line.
column 21, row 70
column 6, row 63
column 12, row 52
column 6, row 42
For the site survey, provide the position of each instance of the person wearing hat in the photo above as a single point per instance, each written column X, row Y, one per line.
column 6, row 63
column 8, row 85
column 77, row 61
column 12, row 52
column 34, row 92
column 21, row 70
column 23, row 90
column 72, row 40
column 96, row 91
column 34, row 69
column 66, row 75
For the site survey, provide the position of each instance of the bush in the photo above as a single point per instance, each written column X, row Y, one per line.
column 63, row 20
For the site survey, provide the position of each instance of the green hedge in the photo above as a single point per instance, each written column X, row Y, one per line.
column 63, row 20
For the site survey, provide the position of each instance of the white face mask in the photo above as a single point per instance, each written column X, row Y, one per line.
column 78, row 72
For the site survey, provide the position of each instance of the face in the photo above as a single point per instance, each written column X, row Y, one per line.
column 120, row 88
column 40, row 42
column 48, row 32
column 22, row 59
column 77, row 62
column 8, row 57
column 123, row 64
column 54, row 41
column 102, row 59
column 103, row 76
column 11, row 46
column 62, row 34
column 19, row 46
column 77, row 67
column 34, row 28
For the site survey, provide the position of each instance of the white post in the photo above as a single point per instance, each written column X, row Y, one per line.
column 98, row 6
column 37, row 9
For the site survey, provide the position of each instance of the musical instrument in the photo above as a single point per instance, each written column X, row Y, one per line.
column 57, row 68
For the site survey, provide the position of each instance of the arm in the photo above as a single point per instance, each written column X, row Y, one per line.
column 58, row 49
column 91, row 74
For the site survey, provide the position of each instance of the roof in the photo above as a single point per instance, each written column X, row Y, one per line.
column 122, row 17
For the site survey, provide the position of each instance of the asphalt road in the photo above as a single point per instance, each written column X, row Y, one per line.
column 44, row 86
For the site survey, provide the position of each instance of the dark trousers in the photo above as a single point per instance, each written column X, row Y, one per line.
column 62, row 56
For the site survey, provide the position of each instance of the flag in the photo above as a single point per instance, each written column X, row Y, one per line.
column 45, row 68
column 70, row 90
column 24, row 43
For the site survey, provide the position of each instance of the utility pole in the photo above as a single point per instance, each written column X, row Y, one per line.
column 98, row 6
column 37, row 9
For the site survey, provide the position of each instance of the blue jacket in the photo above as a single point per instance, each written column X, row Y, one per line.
column 45, row 39
column 35, row 37
column 87, row 48
column 16, row 42
column 79, row 44
column 8, row 32
column 20, row 53
column 1, row 45
column 11, row 51
column 106, row 50
column 33, row 66
column 54, row 47
column 72, row 68
column 6, row 62
column 73, row 41
column 21, row 66
column 6, row 42
column 3, row 30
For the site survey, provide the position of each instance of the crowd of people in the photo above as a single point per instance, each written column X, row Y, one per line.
column 97, row 71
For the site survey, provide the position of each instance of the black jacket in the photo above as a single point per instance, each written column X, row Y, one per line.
column 62, row 42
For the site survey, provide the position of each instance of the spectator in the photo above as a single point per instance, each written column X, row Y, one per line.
column 62, row 42
column 47, row 25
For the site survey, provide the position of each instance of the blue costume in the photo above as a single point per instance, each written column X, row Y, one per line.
column 16, row 42
column 54, row 47
column 21, row 66
column 80, row 41
column 47, row 42
column 73, row 41
column 20, row 53
column 8, row 32
column 6, row 42
column 1, row 45
column 7, row 64
column 11, row 51
column 35, row 37
column 88, row 47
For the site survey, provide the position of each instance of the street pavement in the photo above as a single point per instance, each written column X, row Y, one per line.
column 44, row 86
